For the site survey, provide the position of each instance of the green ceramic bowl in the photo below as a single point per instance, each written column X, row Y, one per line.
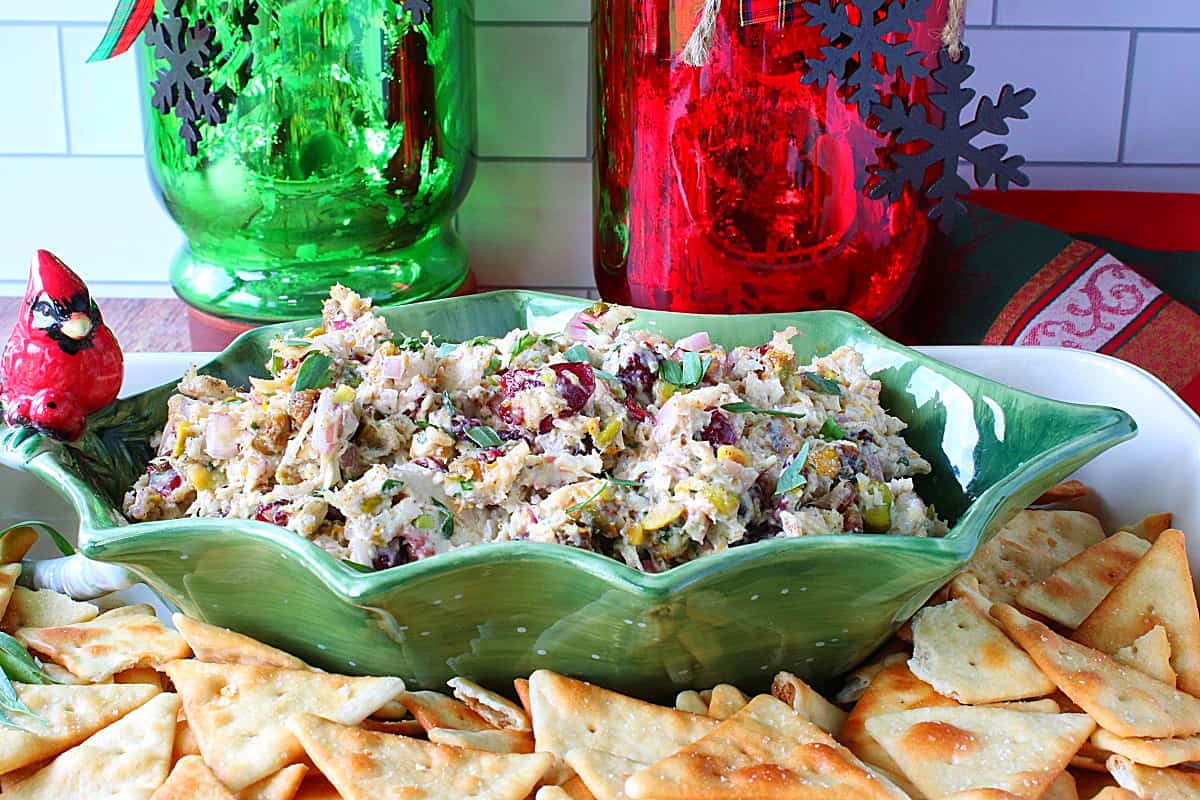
column 814, row 606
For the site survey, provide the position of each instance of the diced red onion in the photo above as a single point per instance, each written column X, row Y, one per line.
column 393, row 367
column 577, row 329
column 218, row 437
column 695, row 343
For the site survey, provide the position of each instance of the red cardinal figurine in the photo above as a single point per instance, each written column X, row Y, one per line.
column 62, row 362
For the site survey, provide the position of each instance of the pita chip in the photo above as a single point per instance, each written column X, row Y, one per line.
column 808, row 703
column 111, row 643
column 603, row 774
column 72, row 714
column 1063, row 788
column 947, row 750
column 44, row 608
column 238, row 712
column 8, row 579
column 496, row 710
column 317, row 787
column 982, row 794
column 1152, row 783
column 497, row 741
column 1064, row 492
column 689, row 701
column 400, row 727
column 129, row 758
column 1121, row 699
column 191, row 779
column 726, row 700
column 283, row 785
column 1114, row 793
column 894, row 689
column 962, row 654
column 858, row 679
column 570, row 714
column 1046, row 705
column 365, row 765
column 1150, row 653
column 223, row 646
column 1029, row 548
column 552, row 793
column 765, row 750
column 1157, row 591
column 1150, row 527
column 1150, row 752
column 1074, row 590
column 521, row 687
column 436, row 710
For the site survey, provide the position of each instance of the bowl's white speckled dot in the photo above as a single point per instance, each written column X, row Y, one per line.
column 521, row 629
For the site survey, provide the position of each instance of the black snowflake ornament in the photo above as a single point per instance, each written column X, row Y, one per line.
column 950, row 141
column 856, row 52
column 420, row 10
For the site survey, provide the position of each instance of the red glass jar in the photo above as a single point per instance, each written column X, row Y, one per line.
column 736, row 187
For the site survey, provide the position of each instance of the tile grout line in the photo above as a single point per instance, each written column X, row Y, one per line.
column 1131, row 57
column 62, row 81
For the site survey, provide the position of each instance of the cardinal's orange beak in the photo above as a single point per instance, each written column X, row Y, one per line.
column 77, row 326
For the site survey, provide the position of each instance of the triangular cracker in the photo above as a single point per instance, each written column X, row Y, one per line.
column 317, row 787
column 764, row 751
column 858, row 679
column 962, row 654
column 1158, row 591
column 1150, row 653
column 129, row 758
column 894, row 689
column 982, row 794
column 191, row 779
column 365, row 765
column 603, row 774
column 1151, row 752
column 570, row 714
column 946, row 750
column 1074, row 590
column 238, row 711
column 1029, row 548
column 1152, row 783
column 1046, row 705
column 44, row 608
column 223, row 646
column 1123, row 700
column 496, row 710
column 1061, row 788
column 112, row 642
column 1062, row 493
column 71, row 713
column 497, row 741
column 283, row 785
column 552, row 793
column 1115, row 793
column 725, row 701
column 1150, row 527
column 809, row 704
column 436, row 710
column 8, row 579
column 689, row 700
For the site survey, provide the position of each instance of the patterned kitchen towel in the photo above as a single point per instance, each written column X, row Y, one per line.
column 1018, row 283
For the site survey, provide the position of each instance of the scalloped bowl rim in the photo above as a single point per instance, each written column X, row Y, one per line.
column 96, row 537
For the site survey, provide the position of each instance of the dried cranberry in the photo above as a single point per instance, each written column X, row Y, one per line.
column 163, row 478
column 392, row 554
column 489, row 454
column 719, row 430
column 573, row 382
column 272, row 513
column 460, row 424
column 575, row 392
column 430, row 463
column 339, row 324
column 635, row 410
column 636, row 375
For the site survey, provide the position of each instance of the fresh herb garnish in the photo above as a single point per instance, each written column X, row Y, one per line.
column 466, row 486
column 276, row 364
column 447, row 526
column 831, row 431
column 623, row 482
column 823, row 385
column 485, row 436
column 314, row 372
column 608, row 481
column 449, row 403
column 390, row 484
column 792, row 477
column 903, row 460
column 686, row 374
column 295, row 342
column 354, row 565
column 592, row 328
column 526, row 341
column 492, row 366
column 577, row 354
column 60, row 541
column 746, row 408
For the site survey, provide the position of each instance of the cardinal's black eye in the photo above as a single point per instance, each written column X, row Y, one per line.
column 52, row 405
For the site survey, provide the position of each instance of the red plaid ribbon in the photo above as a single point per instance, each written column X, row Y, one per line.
column 753, row 12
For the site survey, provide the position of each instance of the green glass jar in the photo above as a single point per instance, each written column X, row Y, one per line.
column 300, row 143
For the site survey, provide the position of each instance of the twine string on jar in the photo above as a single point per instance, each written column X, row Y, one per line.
column 699, row 44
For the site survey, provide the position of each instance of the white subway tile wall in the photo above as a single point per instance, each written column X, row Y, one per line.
column 1116, row 109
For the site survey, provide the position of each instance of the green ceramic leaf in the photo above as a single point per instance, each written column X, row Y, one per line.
column 815, row 605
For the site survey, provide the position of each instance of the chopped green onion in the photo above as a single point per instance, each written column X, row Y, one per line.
column 448, row 401
column 526, row 341
column 492, row 366
column 623, row 482
column 485, row 436
column 831, row 431
column 592, row 328
column 581, row 506
column 577, row 354
column 686, row 374
column 823, row 385
column 390, row 484
column 296, row 342
column 314, row 372
column 354, row 565
column 447, row 526
column 746, row 408
column 903, row 460
column 792, row 477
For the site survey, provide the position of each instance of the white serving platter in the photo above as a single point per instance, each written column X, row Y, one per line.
column 1159, row 470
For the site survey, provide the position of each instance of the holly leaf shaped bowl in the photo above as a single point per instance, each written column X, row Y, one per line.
column 815, row 605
